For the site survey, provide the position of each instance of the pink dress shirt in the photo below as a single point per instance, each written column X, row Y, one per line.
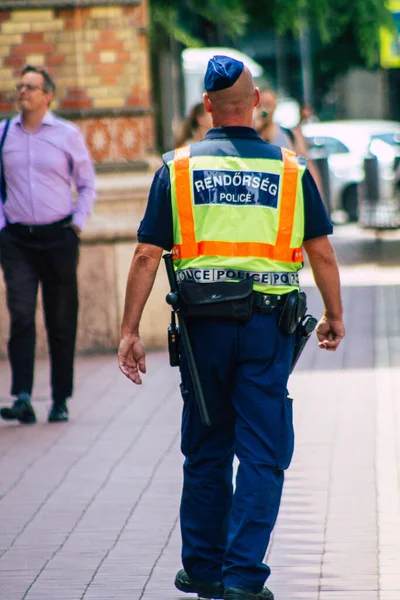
column 40, row 168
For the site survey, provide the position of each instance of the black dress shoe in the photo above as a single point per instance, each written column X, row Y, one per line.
column 21, row 410
column 238, row 594
column 58, row 413
column 204, row 589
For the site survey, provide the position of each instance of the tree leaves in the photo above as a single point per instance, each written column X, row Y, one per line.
column 331, row 18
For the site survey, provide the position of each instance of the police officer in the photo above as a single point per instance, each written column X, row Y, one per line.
column 230, row 205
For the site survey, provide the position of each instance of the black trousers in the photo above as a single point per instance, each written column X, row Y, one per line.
column 49, row 258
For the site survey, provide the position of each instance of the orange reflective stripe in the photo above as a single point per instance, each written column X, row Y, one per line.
column 190, row 248
column 183, row 194
column 243, row 249
column 288, row 200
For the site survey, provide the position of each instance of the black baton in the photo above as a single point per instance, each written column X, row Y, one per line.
column 173, row 300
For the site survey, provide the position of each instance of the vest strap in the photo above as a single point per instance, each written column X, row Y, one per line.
column 183, row 195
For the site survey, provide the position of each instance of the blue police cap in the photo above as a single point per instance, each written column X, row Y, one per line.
column 222, row 72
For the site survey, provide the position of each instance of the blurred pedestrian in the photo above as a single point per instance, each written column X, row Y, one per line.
column 274, row 133
column 195, row 126
column 307, row 115
column 40, row 225
column 270, row 131
column 236, row 212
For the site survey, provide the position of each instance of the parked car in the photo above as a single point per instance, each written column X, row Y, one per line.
column 345, row 144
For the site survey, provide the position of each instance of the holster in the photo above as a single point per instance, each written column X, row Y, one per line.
column 222, row 299
column 293, row 311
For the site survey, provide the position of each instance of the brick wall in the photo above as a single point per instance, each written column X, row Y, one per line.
column 98, row 56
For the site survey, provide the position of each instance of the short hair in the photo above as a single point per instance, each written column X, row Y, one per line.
column 49, row 85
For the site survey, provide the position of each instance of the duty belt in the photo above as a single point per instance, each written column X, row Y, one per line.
column 262, row 277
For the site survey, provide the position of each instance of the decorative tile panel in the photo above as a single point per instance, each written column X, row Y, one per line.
column 98, row 55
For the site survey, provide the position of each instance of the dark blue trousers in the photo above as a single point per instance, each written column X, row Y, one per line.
column 244, row 370
column 51, row 261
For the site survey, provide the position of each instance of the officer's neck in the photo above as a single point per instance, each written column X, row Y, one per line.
column 233, row 120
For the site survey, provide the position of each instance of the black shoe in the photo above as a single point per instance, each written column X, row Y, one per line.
column 238, row 594
column 204, row 589
column 58, row 413
column 21, row 410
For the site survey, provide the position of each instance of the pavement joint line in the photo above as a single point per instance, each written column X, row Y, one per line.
column 327, row 509
column 169, row 394
column 126, row 404
column 163, row 456
column 158, row 557
column 52, row 444
column 388, row 487
column 84, row 411
column 18, row 436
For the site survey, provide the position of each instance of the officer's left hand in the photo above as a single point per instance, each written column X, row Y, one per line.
column 132, row 357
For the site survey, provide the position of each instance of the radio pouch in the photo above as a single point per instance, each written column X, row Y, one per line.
column 293, row 311
column 223, row 299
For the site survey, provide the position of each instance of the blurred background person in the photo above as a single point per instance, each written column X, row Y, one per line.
column 40, row 226
column 195, row 126
column 307, row 115
column 267, row 128
column 272, row 132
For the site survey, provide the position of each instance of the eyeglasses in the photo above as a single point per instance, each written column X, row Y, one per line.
column 28, row 87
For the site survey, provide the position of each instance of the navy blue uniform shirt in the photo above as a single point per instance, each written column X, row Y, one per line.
column 156, row 226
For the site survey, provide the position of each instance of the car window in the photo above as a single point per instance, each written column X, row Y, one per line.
column 319, row 146
column 389, row 138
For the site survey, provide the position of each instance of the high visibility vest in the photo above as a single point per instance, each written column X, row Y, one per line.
column 237, row 217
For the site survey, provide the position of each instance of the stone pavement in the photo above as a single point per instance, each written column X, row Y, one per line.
column 89, row 509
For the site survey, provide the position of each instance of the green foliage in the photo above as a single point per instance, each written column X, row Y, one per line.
column 229, row 15
column 331, row 18
column 166, row 22
column 180, row 18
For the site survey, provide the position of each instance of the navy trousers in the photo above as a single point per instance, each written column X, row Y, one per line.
column 244, row 370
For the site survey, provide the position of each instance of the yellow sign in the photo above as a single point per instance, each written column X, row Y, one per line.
column 390, row 41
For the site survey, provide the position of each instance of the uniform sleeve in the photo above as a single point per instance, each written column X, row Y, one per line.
column 316, row 220
column 156, row 226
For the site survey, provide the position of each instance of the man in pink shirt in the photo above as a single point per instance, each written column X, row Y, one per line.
column 40, row 225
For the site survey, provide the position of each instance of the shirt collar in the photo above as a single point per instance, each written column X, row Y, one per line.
column 48, row 118
column 231, row 132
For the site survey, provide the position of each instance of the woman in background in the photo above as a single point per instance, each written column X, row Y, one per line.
column 195, row 126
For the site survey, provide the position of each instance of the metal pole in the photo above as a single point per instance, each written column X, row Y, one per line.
column 281, row 70
column 305, row 63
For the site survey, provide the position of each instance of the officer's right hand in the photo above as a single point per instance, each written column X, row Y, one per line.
column 132, row 357
column 330, row 333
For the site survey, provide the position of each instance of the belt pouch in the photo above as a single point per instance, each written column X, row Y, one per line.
column 293, row 311
column 222, row 299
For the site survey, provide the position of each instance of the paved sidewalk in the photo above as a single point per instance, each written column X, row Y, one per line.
column 89, row 509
